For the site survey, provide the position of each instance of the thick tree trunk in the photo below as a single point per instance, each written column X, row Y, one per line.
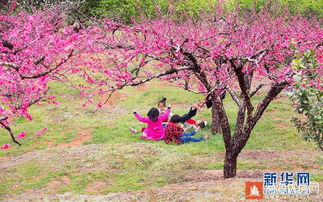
column 230, row 165
column 216, row 125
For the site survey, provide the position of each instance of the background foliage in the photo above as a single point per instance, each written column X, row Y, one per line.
column 307, row 99
column 126, row 10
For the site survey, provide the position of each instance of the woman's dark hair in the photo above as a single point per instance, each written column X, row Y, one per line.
column 162, row 101
column 153, row 114
column 175, row 118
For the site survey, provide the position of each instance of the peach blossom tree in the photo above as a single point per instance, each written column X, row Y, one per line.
column 208, row 56
column 34, row 49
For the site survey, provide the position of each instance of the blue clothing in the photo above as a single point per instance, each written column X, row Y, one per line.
column 187, row 137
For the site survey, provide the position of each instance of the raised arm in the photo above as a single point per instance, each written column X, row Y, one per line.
column 165, row 115
column 189, row 115
column 140, row 118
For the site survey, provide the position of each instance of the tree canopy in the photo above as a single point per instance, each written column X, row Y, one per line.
column 222, row 50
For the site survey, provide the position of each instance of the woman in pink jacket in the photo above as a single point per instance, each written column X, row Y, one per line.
column 155, row 129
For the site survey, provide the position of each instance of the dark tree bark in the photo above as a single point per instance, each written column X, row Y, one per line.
column 230, row 165
column 216, row 126
column 235, row 144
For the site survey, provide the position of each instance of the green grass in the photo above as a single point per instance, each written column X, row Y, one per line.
column 73, row 118
column 29, row 169
column 126, row 162
column 317, row 177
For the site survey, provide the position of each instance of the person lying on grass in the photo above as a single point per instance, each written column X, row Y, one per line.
column 155, row 129
column 174, row 132
column 186, row 118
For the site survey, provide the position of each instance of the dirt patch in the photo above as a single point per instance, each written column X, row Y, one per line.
column 66, row 180
column 269, row 111
column 214, row 175
column 232, row 189
column 275, row 118
column 53, row 185
column 143, row 87
column 205, row 175
column 273, row 155
column 110, row 125
column 96, row 186
column 146, row 86
column 120, row 96
column 82, row 137
column 114, row 100
column 6, row 158
column 49, row 143
column 282, row 126
column 29, row 191
column 182, row 106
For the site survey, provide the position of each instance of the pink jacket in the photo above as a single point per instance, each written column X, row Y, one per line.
column 154, row 130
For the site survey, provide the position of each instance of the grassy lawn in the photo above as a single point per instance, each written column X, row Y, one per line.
column 114, row 160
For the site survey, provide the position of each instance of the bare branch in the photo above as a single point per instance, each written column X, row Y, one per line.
column 41, row 59
column 49, row 70
column 68, row 80
column 108, row 98
column 185, row 86
column 261, row 54
column 256, row 90
column 119, row 47
column 2, row 118
column 170, row 71
column 10, row 132
column 221, row 85
column 275, row 89
column 233, row 95
column 8, row 64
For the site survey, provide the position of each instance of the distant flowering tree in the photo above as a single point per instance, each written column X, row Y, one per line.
column 34, row 49
column 208, row 56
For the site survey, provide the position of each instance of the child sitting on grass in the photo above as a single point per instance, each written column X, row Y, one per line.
column 185, row 119
column 174, row 132
column 161, row 107
column 155, row 129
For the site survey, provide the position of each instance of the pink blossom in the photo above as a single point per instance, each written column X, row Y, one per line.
column 55, row 102
column 13, row 6
column 90, row 80
column 41, row 132
column 5, row 146
column 22, row 135
column 29, row 117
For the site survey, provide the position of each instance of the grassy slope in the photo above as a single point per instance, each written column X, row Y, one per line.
column 124, row 162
